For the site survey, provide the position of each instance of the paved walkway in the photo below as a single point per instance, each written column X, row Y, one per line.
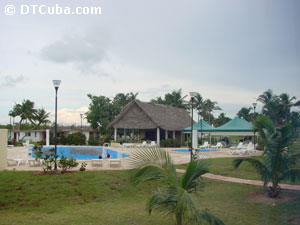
column 243, row 181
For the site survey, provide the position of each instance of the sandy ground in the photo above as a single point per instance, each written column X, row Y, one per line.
column 21, row 154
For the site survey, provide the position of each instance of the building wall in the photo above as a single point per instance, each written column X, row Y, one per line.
column 34, row 136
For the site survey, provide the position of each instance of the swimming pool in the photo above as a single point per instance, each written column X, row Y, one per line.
column 84, row 152
column 197, row 150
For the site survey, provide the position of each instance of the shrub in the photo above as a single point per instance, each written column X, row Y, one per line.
column 65, row 163
column 170, row 143
column 93, row 141
column 76, row 139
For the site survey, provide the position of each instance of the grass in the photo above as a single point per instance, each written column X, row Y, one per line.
column 110, row 198
column 223, row 166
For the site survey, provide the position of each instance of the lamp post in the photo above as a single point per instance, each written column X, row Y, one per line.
column 201, row 129
column 254, row 107
column 192, row 94
column 56, row 84
column 81, row 115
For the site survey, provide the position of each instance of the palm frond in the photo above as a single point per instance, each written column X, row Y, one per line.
column 153, row 163
column 190, row 179
column 163, row 200
column 208, row 218
column 150, row 156
column 149, row 173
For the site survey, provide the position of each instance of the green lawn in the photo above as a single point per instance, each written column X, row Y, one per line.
column 223, row 166
column 109, row 198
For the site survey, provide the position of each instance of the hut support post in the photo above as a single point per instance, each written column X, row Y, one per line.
column 158, row 136
column 174, row 137
column 166, row 134
column 115, row 134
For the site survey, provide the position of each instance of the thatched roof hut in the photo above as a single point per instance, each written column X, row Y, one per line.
column 147, row 116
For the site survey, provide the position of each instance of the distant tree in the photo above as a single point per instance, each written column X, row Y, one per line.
column 174, row 98
column 121, row 100
column 209, row 107
column 100, row 112
column 222, row 119
column 278, row 107
column 41, row 117
column 245, row 113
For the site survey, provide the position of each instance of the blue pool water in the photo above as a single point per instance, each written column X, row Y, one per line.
column 84, row 152
column 198, row 150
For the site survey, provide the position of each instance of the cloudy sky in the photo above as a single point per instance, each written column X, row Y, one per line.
column 228, row 50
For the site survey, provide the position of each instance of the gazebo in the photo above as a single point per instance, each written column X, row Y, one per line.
column 151, row 121
column 201, row 126
column 235, row 127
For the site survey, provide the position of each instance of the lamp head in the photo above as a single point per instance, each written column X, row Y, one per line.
column 56, row 83
column 254, row 105
column 193, row 94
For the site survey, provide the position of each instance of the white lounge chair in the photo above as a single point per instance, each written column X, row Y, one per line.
column 34, row 163
column 97, row 162
column 152, row 143
column 218, row 145
column 205, row 145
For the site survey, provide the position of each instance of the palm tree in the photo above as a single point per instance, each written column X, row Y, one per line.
column 278, row 108
column 173, row 99
column 286, row 103
column 278, row 162
column 245, row 113
column 208, row 108
column 25, row 111
column 199, row 104
column 175, row 195
column 41, row 117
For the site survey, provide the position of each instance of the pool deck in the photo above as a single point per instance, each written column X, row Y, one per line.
column 21, row 153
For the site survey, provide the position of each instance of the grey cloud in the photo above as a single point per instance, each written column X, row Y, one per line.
column 11, row 81
column 85, row 53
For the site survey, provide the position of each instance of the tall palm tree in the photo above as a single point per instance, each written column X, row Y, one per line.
column 199, row 104
column 278, row 162
column 25, row 111
column 286, row 103
column 175, row 195
column 41, row 117
column 278, row 108
column 208, row 107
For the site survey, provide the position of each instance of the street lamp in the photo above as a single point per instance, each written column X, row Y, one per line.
column 56, row 84
column 254, row 107
column 81, row 115
column 192, row 94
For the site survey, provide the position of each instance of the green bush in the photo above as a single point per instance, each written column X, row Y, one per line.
column 76, row 139
column 170, row 143
column 93, row 141
column 67, row 163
